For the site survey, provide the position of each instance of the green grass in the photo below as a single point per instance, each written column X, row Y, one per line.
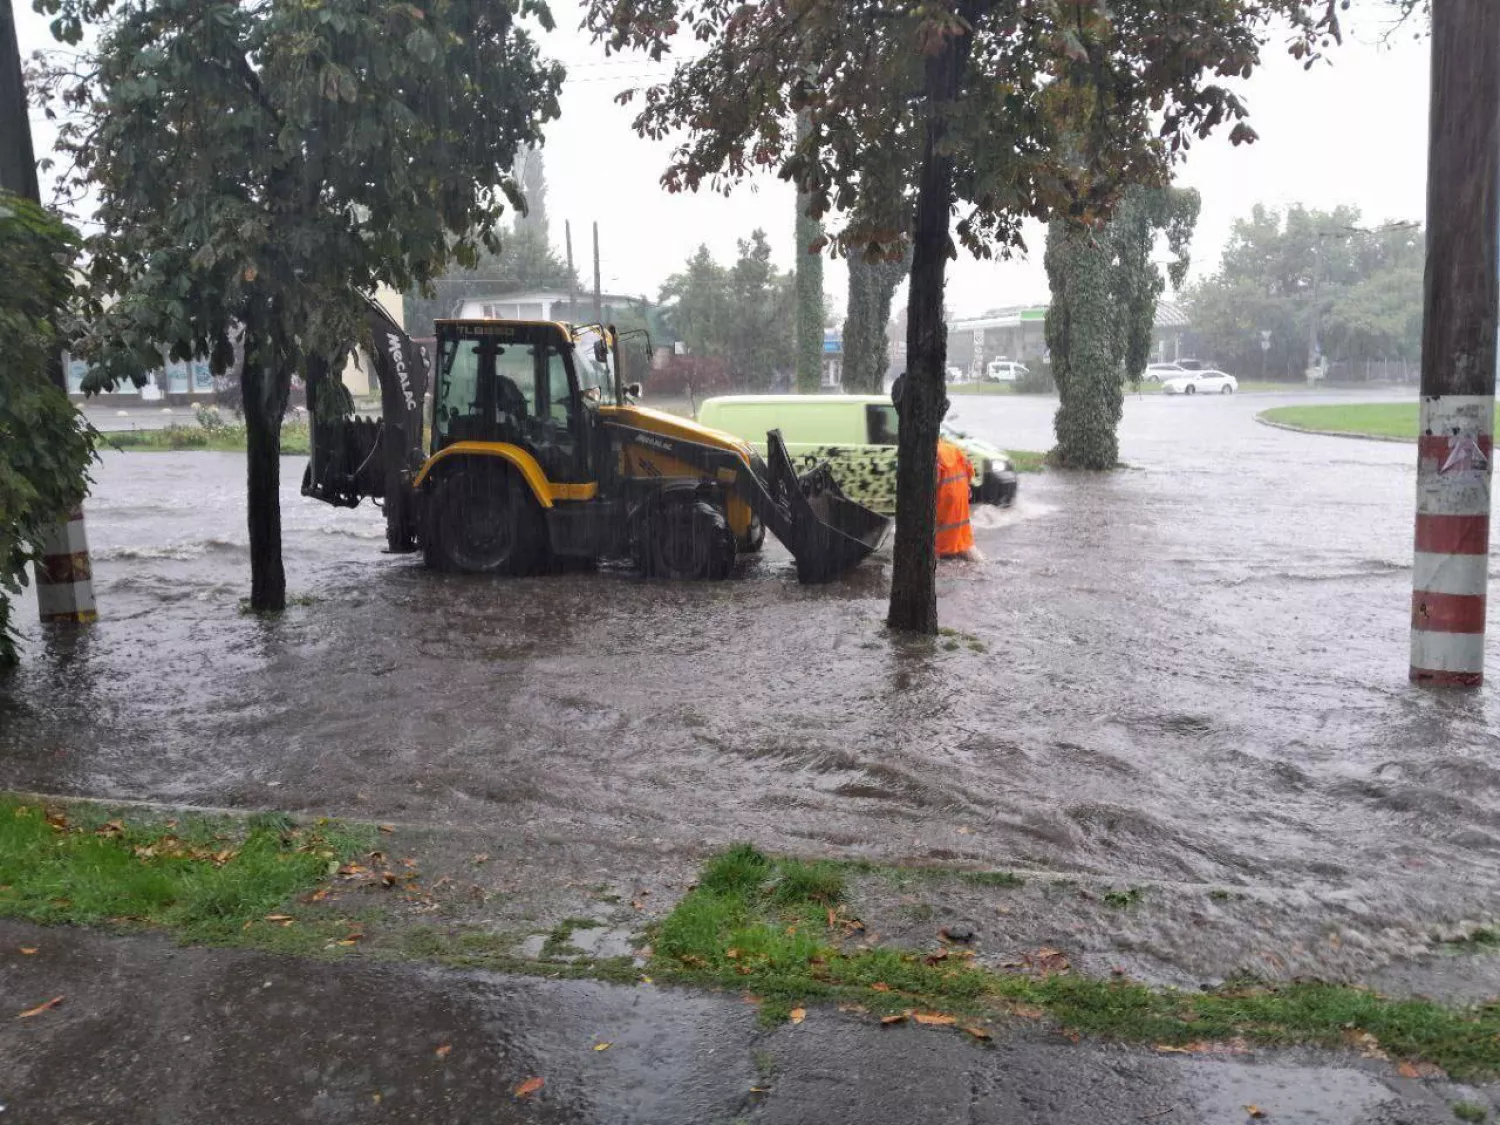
column 982, row 389
column 1366, row 419
column 295, row 439
column 1027, row 460
column 1468, row 1111
column 746, row 926
column 203, row 877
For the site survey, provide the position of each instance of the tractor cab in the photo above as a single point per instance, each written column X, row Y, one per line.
column 531, row 386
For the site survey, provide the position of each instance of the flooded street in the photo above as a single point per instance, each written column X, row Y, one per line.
column 1189, row 672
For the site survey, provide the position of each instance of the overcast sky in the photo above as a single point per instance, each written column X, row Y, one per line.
column 1352, row 131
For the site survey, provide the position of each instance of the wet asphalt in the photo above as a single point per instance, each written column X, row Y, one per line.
column 1188, row 675
column 247, row 1038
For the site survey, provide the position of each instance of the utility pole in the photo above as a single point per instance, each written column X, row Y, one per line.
column 1461, row 301
column 64, row 576
column 572, row 276
column 598, row 301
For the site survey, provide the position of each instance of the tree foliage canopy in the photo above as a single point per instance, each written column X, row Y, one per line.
column 1063, row 103
column 45, row 448
column 740, row 314
column 1368, row 287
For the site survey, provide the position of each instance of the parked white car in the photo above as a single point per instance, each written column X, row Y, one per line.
column 1006, row 370
column 1161, row 372
column 1207, row 382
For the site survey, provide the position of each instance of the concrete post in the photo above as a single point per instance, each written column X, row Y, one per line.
column 1461, row 305
column 64, row 584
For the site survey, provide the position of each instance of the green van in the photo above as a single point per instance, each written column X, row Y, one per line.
column 856, row 435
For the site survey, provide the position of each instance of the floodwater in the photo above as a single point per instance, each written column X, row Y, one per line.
column 1192, row 671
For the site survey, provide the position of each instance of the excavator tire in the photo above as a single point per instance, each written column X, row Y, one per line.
column 482, row 520
column 687, row 539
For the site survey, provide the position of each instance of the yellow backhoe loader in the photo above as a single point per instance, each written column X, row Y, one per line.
column 538, row 451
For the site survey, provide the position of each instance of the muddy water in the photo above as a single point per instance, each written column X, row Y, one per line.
column 1191, row 671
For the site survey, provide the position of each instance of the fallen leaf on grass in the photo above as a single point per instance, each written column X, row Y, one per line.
column 529, row 1087
column 731, row 953
column 880, row 986
column 110, row 828
column 28, row 950
column 387, row 828
column 934, row 958
column 979, row 1033
column 40, row 1008
column 797, row 1015
column 899, row 1017
column 934, row 1019
column 1418, row 1070
column 1367, row 1044
column 280, row 919
column 1254, row 1110
column 603, row 1046
column 58, row 819
column 442, row 1052
column 1051, row 960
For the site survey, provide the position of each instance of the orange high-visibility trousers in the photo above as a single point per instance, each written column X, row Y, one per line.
column 954, row 535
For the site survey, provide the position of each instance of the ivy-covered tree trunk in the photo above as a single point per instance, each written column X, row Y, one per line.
column 859, row 314
column 1083, row 331
column 809, row 291
column 867, row 351
column 265, row 385
column 913, row 605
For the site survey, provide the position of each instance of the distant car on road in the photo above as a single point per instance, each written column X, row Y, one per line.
column 1006, row 371
column 1207, row 381
column 1160, row 372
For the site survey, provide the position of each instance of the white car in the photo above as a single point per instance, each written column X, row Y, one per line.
column 1161, row 372
column 1206, row 382
column 1006, row 370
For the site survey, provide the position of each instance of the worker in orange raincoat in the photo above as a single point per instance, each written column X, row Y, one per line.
column 955, row 537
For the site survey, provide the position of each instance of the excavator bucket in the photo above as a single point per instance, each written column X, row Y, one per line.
column 826, row 532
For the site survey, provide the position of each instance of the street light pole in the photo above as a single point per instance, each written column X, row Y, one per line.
column 64, row 576
column 1461, row 301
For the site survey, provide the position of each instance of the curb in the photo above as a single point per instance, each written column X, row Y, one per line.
column 1264, row 421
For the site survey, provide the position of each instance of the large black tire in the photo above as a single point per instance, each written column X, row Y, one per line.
column 686, row 540
column 1190, row 389
column 1227, row 390
column 481, row 519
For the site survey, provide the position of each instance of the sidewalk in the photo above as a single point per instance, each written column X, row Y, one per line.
column 147, row 1032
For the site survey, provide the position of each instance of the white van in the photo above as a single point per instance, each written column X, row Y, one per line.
column 1005, row 371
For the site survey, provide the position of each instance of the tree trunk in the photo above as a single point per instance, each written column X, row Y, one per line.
column 867, row 352
column 859, row 317
column 1083, row 328
column 265, row 388
column 809, row 293
column 914, row 569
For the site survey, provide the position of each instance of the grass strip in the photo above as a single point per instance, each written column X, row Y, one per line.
column 295, row 439
column 205, row 878
column 778, row 928
column 1396, row 420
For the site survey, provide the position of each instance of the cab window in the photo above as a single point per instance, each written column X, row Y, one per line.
column 881, row 423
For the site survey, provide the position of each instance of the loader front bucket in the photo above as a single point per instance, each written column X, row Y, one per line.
column 826, row 532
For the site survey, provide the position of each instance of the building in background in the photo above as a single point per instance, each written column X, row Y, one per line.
column 1019, row 333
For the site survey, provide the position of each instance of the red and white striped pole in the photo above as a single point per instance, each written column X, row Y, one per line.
column 1461, row 306
column 64, row 575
